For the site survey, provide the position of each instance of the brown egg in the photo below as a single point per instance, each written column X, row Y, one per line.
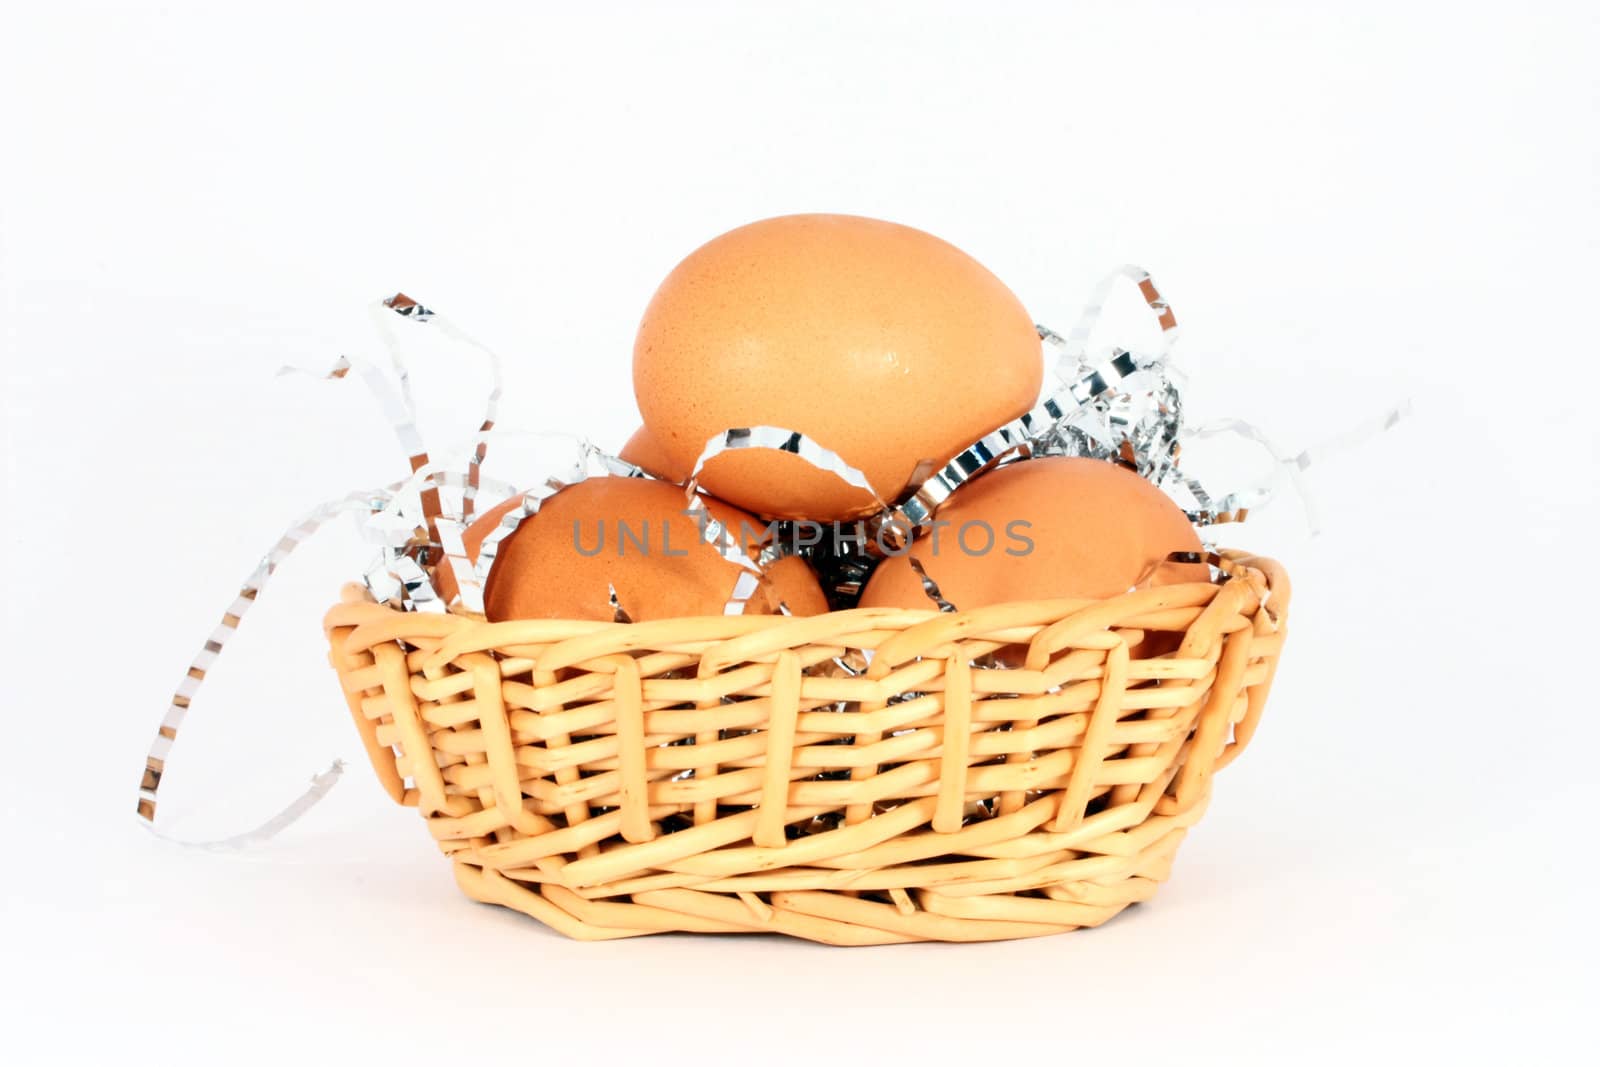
column 1044, row 529
column 643, row 452
column 633, row 534
column 790, row 581
column 880, row 342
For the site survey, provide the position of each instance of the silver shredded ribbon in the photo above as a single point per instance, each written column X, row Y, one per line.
column 399, row 576
column 394, row 403
column 1076, row 343
column 1057, row 426
column 729, row 546
column 1125, row 408
column 409, row 308
column 929, row 586
column 183, row 697
column 779, row 439
column 617, row 612
column 716, row 534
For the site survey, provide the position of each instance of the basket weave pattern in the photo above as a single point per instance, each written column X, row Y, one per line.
column 860, row 777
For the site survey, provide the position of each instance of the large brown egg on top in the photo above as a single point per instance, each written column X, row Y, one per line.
column 1045, row 529
column 631, row 534
column 881, row 343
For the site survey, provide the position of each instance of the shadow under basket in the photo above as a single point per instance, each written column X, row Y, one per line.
column 857, row 778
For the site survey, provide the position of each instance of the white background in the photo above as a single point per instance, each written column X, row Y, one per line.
column 1347, row 208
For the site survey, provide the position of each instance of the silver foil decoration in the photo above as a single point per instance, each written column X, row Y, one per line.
column 618, row 614
column 491, row 407
column 1124, row 408
column 1056, row 426
column 1076, row 343
column 183, row 697
column 779, row 439
column 730, row 546
column 400, row 575
column 929, row 586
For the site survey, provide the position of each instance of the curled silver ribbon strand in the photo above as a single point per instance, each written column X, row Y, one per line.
column 399, row 573
column 183, row 697
column 715, row 533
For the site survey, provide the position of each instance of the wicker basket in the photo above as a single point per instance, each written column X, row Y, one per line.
column 862, row 777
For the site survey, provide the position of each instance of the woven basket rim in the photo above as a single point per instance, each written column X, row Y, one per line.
column 1275, row 578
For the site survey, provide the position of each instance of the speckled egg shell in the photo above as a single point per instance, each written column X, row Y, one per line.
column 643, row 452
column 880, row 342
column 559, row 562
column 1096, row 530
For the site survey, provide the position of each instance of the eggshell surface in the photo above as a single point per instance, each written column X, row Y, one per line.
column 884, row 344
column 1092, row 529
column 631, row 534
column 643, row 452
